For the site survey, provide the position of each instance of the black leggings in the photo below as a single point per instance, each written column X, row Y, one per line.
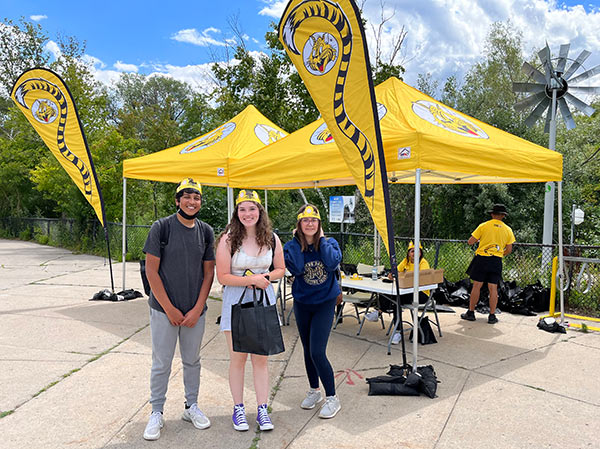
column 314, row 325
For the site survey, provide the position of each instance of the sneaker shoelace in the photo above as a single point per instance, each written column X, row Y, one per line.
column 194, row 410
column 154, row 419
column 263, row 415
column 239, row 414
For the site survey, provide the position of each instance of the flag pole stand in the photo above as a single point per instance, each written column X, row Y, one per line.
column 112, row 281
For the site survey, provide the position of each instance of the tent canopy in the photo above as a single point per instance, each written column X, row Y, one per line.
column 207, row 158
column 418, row 132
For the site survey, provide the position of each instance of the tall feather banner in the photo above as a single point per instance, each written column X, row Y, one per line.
column 325, row 41
column 47, row 103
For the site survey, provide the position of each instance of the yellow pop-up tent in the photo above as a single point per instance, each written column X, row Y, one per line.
column 424, row 141
column 207, row 158
column 418, row 133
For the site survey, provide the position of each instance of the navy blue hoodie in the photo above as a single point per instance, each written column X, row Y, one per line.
column 314, row 271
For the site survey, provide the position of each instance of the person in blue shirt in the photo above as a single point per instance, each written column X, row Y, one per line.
column 313, row 260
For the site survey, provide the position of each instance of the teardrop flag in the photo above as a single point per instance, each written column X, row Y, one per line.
column 325, row 41
column 48, row 105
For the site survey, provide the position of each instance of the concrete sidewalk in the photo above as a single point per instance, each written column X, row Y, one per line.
column 75, row 373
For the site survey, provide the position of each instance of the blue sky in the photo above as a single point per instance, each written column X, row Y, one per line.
column 181, row 38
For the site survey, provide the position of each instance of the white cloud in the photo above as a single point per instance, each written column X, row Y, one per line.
column 204, row 39
column 38, row 17
column 93, row 61
column 446, row 37
column 274, row 8
column 123, row 67
column 53, row 48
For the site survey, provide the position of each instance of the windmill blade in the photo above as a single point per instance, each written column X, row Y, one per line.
column 583, row 107
column 585, row 75
column 544, row 55
column 562, row 58
column 585, row 90
column 537, row 112
column 528, row 87
column 530, row 101
column 566, row 113
column 580, row 60
column 534, row 73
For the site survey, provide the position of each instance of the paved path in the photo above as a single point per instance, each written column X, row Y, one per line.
column 75, row 374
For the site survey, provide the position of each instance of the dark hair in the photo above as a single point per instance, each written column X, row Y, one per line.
column 300, row 235
column 236, row 231
column 179, row 194
column 420, row 254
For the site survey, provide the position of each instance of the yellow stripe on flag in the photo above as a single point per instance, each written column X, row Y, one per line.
column 47, row 103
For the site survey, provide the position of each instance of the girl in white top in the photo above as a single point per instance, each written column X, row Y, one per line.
column 244, row 254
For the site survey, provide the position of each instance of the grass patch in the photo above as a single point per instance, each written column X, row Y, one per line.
column 3, row 414
column 536, row 388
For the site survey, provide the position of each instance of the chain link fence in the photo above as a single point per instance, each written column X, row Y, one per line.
column 528, row 264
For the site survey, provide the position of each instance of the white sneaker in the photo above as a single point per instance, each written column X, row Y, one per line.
column 330, row 408
column 196, row 417
column 313, row 397
column 372, row 316
column 155, row 423
column 397, row 338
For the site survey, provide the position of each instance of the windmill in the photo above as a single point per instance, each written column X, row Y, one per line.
column 552, row 88
column 551, row 91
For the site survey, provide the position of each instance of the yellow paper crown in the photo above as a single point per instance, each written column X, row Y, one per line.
column 247, row 195
column 309, row 212
column 411, row 245
column 189, row 183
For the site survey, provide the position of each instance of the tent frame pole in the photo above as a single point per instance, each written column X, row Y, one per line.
column 124, row 226
column 416, row 272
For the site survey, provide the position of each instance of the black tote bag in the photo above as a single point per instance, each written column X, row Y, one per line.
column 255, row 326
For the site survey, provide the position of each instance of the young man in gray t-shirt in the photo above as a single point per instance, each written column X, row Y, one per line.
column 180, row 263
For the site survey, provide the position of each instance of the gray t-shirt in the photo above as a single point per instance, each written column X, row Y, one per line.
column 181, row 265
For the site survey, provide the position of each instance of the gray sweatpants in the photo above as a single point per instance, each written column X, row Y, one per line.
column 164, row 340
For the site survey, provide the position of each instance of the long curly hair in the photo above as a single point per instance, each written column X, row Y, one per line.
column 300, row 235
column 236, row 231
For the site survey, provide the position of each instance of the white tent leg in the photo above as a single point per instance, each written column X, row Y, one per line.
column 124, row 226
column 560, row 255
column 416, row 273
column 229, row 204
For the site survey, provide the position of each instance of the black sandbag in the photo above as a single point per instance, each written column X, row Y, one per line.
column 428, row 380
column 390, row 386
column 428, row 384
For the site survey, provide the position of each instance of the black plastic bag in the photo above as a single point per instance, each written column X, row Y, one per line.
column 255, row 326
column 426, row 335
column 551, row 325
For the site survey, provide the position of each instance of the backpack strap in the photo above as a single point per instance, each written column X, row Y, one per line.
column 165, row 226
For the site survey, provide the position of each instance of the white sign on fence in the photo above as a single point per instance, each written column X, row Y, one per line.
column 341, row 209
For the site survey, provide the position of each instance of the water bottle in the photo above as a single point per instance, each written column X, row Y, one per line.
column 374, row 273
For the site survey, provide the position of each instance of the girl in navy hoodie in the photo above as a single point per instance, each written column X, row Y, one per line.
column 313, row 260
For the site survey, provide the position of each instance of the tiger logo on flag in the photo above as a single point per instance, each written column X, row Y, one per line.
column 46, row 112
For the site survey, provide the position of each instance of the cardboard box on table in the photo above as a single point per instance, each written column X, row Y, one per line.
column 426, row 277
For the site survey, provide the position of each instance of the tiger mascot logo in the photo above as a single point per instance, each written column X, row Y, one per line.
column 445, row 118
column 267, row 134
column 320, row 53
column 210, row 139
column 44, row 111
